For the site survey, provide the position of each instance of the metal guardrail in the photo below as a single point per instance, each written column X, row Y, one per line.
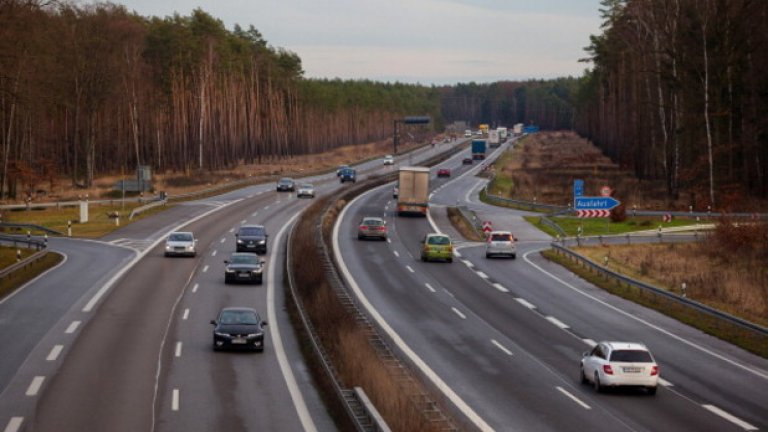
column 8, row 271
column 29, row 227
column 669, row 295
column 29, row 241
column 142, row 209
column 471, row 218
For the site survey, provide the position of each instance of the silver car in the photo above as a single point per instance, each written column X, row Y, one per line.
column 500, row 243
column 181, row 243
column 389, row 160
column 305, row 190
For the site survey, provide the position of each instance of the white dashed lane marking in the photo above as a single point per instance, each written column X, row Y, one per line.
column 501, row 347
column 482, row 275
column 731, row 418
column 34, row 386
column 223, row 240
column 54, row 354
column 72, row 327
column 175, row 400
column 458, row 312
column 525, row 303
column 397, row 254
column 186, row 314
column 15, row 424
column 194, row 288
column 468, row 263
column 178, row 349
column 589, row 342
column 410, row 269
column 205, row 269
column 500, row 287
column 557, row 322
column 214, row 253
column 573, row 398
column 429, row 287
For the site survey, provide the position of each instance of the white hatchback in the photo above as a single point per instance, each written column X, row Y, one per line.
column 614, row 364
column 500, row 243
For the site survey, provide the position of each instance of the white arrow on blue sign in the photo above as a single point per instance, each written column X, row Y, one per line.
column 595, row 203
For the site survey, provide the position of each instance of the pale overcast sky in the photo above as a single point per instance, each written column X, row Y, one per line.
column 414, row 41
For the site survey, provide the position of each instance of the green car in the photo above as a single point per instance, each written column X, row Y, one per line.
column 436, row 246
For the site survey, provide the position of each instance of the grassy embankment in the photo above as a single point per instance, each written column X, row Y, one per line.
column 727, row 271
column 22, row 276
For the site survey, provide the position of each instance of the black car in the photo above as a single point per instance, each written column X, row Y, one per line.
column 251, row 238
column 286, row 184
column 340, row 169
column 244, row 267
column 348, row 174
column 238, row 328
column 466, row 161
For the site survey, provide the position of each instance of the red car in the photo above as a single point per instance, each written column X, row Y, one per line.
column 444, row 172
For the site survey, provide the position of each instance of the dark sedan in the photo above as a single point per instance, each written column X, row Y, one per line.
column 251, row 238
column 286, row 184
column 466, row 161
column 238, row 328
column 244, row 267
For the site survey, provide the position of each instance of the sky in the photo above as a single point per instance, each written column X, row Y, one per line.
column 429, row 42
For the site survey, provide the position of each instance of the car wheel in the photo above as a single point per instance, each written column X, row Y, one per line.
column 216, row 347
column 226, row 281
column 487, row 255
column 582, row 377
column 423, row 258
column 514, row 256
column 450, row 260
column 598, row 386
column 259, row 281
column 652, row 391
column 359, row 237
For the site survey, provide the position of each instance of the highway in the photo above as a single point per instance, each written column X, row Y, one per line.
column 118, row 337
column 504, row 337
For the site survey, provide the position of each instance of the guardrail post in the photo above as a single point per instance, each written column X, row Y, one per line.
column 683, row 286
column 659, row 234
column 29, row 235
column 45, row 239
column 18, row 255
column 628, row 241
column 69, row 228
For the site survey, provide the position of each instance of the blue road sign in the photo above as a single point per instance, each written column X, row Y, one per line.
column 595, row 203
column 578, row 188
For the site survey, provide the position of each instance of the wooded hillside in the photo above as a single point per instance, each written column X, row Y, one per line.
column 679, row 92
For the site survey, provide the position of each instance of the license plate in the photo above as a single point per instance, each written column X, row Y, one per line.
column 632, row 369
column 244, row 274
column 238, row 341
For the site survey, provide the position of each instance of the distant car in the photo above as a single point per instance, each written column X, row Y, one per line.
column 305, row 190
column 251, row 238
column 466, row 161
column 478, row 132
column 444, row 172
column 446, row 140
column 341, row 168
column 372, row 227
column 613, row 364
column 396, row 190
column 181, row 243
column 467, row 133
column 348, row 174
column 286, row 184
column 238, row 328
column 500, row 243
column 435, row 246
column 389, row 160
column 244, row 267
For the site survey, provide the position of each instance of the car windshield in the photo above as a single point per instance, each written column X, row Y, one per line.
column 631, row 356
column 438, row 240
column 286, row 181
column 501, row 237
column 244, row 259
column 239, row 317
column 180, row 237
column 252, row 231
column 306, row 186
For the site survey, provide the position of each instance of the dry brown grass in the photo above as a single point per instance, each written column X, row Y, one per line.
column 347, row 343
column 728, row 271
column 545, row 165
column 61, row 189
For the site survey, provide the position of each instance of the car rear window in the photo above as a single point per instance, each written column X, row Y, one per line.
column 373, row 222
column 501, row 237
column 631, row 356
column 439, row 240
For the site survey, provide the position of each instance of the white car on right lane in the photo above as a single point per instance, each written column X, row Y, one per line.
column 614, row 364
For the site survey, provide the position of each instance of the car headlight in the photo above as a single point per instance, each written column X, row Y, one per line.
column 239, row 241
column 261, row 242
column 168, row 247
column 253, row 335
column 229, row 270
column 222, row 334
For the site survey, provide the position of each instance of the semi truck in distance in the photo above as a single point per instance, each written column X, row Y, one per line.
column 413, row 193
column 478, row 149
column 502, row 134
column 518, row 129
column 494, row 139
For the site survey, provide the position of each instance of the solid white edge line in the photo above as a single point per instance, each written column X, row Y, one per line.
column 644, row 322
column 665, row 383
column 72, row 327
column 501, row 347
column 139, row 255
column 34, row 386
column 590, row 342
column 277, row 342
column 731, row 418
column 525, row 303
column 178, row 349
column 14, row 425
column 33, row 280
column 429, row 287
column 441, row 385
column 54, row 354
column 175, row 400
column 557, row 322
column 573, row 398
column 458, row 312
column 500, row 287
